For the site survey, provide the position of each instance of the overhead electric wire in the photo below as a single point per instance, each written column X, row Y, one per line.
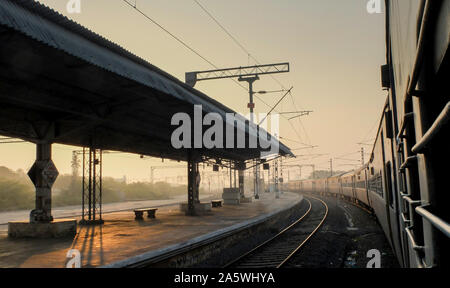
column 170, row 33
column 256, row 60
column 307, row 145
column 348, row 154
column 346, row 159
column 246, row 51
column 364, row 139
column 279, row 101
column 237, row 42
column 223, row 28
column 195, row 51
column 178, row 39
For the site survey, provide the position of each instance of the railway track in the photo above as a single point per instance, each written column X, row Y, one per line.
column 278, row 250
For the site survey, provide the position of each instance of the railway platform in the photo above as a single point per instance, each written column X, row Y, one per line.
column 122, row 241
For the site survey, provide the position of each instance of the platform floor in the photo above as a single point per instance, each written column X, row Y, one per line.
column 122, row 237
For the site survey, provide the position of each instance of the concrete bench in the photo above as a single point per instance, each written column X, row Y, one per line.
column 140, row 213
column 216, row 203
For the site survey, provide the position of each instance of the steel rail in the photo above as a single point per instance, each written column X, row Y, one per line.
column 309, row 236
column 148, row 262
column 271, row 240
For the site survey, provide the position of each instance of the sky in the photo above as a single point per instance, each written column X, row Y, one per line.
column 335, row 50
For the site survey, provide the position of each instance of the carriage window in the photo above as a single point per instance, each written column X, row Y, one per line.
column 389, row 184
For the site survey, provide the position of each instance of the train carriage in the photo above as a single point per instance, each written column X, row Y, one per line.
column 348, row 185
column 416, row 74
column 405, row 181
column 361, row 186
column 321, row 186
column 334, row 185
column 308, row 186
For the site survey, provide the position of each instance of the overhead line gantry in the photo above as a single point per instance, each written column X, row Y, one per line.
column 248, row 74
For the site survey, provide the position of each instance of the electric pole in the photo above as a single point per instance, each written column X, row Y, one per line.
column 281, row 172
column 75, row 165
column 251, row 104
column 248, row 74
column 275, row 174
column 362, row 156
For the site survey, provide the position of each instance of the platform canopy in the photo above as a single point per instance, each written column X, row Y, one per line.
column 61, row 83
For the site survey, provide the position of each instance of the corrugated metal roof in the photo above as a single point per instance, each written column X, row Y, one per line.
column 49, row 27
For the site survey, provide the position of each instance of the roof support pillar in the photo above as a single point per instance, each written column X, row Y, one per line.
column 256, row 179
column 241, row 176
column 193, row 184
column 43, row 173
column 241, row 183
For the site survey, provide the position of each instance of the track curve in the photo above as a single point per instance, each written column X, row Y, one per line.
column 278, row 250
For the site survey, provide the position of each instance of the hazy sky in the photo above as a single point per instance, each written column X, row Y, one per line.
column 335, row 49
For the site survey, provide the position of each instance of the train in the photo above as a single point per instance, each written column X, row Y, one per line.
column 406, row 181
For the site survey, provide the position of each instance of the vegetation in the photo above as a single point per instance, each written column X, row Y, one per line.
column 17, row 191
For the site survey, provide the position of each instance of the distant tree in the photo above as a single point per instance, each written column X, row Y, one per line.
column 6, row 173
column 15, row 195
column 18, row 192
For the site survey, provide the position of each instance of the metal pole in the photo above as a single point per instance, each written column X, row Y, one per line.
column 282, row 178
column 276, row 179
column 191, row 185
column 263, row 181
column 234, row 176
column 251, row 103
column 331, row 167
column 231, row 176
column 241, row 178
column 90, row 185
column 251, row 106
column 101, row 183
column 256, row 180
column 94, row 184
column 83, row 190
